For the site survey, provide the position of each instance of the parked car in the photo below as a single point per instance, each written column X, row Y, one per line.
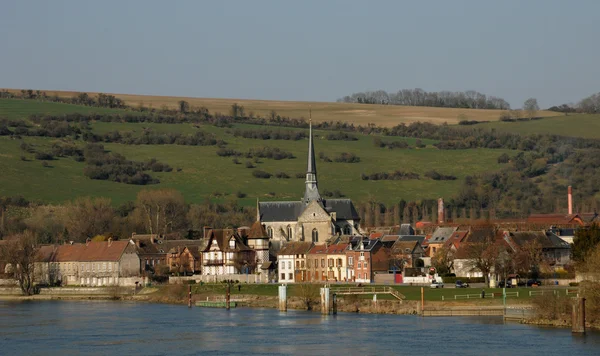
column 533, row 283
column 436, row 284
column 508, row 284
column 461, row 284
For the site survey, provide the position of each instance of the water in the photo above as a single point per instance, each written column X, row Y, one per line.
column 108, row 328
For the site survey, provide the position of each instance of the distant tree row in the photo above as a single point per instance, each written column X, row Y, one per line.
column 343, row 157
column 588, row 105
column 262, row 152
column 100, row 100
column 418, row 97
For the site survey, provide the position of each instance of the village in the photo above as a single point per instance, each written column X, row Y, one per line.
column 317, row 240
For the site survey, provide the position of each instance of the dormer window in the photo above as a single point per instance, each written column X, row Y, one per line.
column 232, row 243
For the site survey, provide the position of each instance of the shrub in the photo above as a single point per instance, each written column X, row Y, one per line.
column 261, row 174
column 45, row 164
column 503, row 158
column 240, row 194
column 282, row 175
column 300, row 175
column 236, row 161
column 345, row 157
column 437, row 176
column 397, row 175
column 249, row 164
column 44, row 156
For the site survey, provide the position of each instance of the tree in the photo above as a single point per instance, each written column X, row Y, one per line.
column 481, row 256
column 184, row 106
column 309, row 293
column 161, row 210
column 19, row 253
column 237, row 111
column 443, row 260
column 530, row 258
column 586, row 239
column 87, row 217
column 531, row 107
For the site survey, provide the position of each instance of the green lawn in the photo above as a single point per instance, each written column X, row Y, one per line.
column 579, row 125
column 18, row 109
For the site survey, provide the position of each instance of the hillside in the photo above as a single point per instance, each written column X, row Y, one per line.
column 358, row 114
column 200, row 174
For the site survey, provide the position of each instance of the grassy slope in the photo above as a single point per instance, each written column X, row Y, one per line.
column 204, row 173
column 359, row 114
column 580, row 125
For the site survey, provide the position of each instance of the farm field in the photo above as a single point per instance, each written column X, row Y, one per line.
column 205, row 175
column 575, row 125
column 358, row 114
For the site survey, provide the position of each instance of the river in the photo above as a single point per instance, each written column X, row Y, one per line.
column 128, row 328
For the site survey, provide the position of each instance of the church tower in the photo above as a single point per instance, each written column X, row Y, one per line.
column 312, row 190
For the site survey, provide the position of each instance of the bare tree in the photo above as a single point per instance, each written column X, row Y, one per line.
column 19, row 253
column 309, row 293
column 162, row 210
column 184, row 106
column 443, row 260
column 482, row 256
column 531, row 107
column 88, row 217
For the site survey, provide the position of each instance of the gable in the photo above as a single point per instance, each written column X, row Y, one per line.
column 314, row 212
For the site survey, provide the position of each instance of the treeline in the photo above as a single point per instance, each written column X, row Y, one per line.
column 418, row 97
column 344, row 157
column 402, row 144
column 588, row 105
column 270, row 134
column 275, row 153
column 162, row 211
column 396, row 175
column 100, row 100
column 150, row 137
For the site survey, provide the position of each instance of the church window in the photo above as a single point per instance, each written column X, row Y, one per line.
column 315, row 235
column 347, row 230
column 270, row 231
column 289, row 232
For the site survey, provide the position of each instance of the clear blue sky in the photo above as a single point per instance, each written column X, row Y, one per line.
column 304, row 50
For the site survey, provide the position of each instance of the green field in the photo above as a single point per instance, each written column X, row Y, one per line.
column 203, row 173
column 18, row 109
column 575, row 125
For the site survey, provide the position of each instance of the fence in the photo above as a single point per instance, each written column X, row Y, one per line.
column 480, row 296
column 242, row 278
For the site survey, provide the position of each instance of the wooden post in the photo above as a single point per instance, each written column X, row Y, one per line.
column 282, row 298
column 422, row 300
column 190, row 296
column 578, row 316
column 325, row 301
column 334, row 300
column 227, row 295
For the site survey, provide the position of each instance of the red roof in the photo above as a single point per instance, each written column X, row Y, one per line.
column 93, row 251
column 375, row 235
column 555, row 219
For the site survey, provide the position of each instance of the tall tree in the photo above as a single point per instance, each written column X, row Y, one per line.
column 87, row 217
column 531, row 107
column 162, row 210
column 20, row 252
column 481, row 256
column 586, row 239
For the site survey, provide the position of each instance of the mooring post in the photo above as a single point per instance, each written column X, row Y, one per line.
column 578, row 316
column 422, row 300
column 334, row 302
column 227, row 295
column 325, row 300
column 282, row 298
column 190, row 296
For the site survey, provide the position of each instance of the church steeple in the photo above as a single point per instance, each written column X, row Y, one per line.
column 312, row 191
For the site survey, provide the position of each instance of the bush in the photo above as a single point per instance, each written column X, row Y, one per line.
column 397, row 175
column 236, row 161
column 300, row 175
column 45, row 164
column 503, row 158
column 261, row 174
column 345, row 157
column 437, row 176
column 249, row 164
column 240, row 195
column 44, row 156
column 281, row 175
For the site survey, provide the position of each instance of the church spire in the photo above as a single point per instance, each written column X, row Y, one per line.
column 312, row 191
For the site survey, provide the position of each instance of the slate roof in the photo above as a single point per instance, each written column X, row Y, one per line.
column 257, row 231
column 441, row 234
column 222, row 237
column 291, row 210
column 295, row 248
column 406, row 229
column 400, row 246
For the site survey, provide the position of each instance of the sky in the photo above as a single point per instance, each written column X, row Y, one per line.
column 305, row 50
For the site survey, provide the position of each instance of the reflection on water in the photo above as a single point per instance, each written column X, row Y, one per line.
column 100, row 328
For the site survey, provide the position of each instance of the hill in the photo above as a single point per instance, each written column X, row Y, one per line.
column 358, row 114
column 200, row 174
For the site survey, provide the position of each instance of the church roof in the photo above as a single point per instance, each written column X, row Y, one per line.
column 291, row 210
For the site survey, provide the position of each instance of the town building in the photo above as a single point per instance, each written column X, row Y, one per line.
column 292, row 262
column 312, row 218
column 365, row 257
column 226, row 253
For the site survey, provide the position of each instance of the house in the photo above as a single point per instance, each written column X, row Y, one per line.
column 477, row 234
column 184, row 260
column 328, row 263
column 226, row 253
column 439, row 238
column 404, row 254
column 258, row 240
column 102, row 263
column 365, row 258
column 554, row 250
column 161, row 256
column 292, row 262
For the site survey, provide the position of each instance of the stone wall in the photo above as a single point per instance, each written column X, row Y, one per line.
column 242, row 278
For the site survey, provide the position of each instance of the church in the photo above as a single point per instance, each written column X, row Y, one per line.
column 313, row 218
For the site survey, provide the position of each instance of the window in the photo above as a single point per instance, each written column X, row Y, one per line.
column 362, row 254
column 232, row 243
column 289, row 265
column 308, row 263
column 434, row 249
column 330, row 262
column 283, row 276
column 339, row 262
column 359, row 264
column 110, row 266
column 347, row 230
column 322, row 263
column 351, row 260
column 270, row 231
column 302, row 264
column 297, row 264
column 289, row 232
column 103, row 266
column 290, row 276
column 315, row 235
column 93, row 267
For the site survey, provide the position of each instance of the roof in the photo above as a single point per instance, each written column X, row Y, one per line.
column 318, row 249
column 291, row 210
column 337, row 248
column 441, row 234
column 589, row 217
column 222, row 237
column 368, row 244
column 92, row 251
column 46, row 253
column 406, row 229
column 295, row 248
column 257, row 230
column 402, row 246
column 481, row 233
column 554, row 219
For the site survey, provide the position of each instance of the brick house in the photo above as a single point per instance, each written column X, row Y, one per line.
column 292, row 262
column 184, row 260
column 406, row 253
column 365, row 257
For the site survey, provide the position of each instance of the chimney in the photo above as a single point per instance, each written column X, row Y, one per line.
column 570, row 198
column 441, row 213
